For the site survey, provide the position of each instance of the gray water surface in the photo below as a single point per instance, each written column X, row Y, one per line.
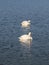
column 12, row 13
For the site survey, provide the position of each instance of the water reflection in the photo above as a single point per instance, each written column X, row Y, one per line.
column 27, row 56
column 26, row 29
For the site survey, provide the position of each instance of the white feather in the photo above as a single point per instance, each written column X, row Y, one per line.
column 25, row 24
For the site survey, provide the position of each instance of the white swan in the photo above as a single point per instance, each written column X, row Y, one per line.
column 26, row 38
column 25, row 24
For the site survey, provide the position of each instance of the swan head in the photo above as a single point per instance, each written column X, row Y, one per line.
column 29, row 21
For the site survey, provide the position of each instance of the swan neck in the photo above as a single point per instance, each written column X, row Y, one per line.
column 29, row 34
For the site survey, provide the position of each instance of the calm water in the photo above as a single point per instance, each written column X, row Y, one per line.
column 12, row 13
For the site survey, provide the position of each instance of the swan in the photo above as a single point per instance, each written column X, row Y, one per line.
column 25, row 24
column 26, row 38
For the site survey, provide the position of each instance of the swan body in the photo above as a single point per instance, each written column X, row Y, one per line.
column 26, row 38
column 25, row 24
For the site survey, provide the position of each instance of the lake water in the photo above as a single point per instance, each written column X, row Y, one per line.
column 12, row 13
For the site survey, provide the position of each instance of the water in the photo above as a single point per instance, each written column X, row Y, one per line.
column 12, row 12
